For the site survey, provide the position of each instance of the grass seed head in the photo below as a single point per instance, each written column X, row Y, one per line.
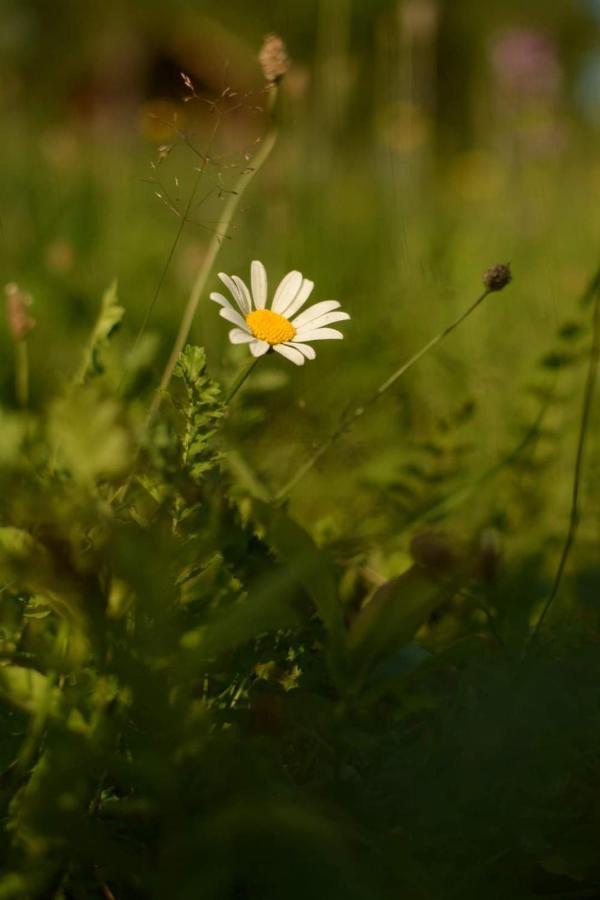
column 496, row 278
column 274, row 59
column 19, row 321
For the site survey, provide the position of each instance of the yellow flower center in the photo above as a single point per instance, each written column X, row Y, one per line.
column 269, row 326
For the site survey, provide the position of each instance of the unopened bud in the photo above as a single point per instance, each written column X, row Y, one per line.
column 19, row 321
column 435, row 552
column 273, row 58
column 496, row 278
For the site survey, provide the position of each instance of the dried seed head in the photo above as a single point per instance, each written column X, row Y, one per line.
column 273, row 58
column 496, row 278
column 20, row 322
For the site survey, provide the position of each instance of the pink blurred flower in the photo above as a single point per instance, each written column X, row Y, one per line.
column 526, row 61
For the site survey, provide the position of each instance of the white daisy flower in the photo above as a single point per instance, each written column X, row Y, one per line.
column 280, row 328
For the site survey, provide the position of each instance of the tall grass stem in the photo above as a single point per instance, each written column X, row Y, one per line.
column 350, row 417
column 22, row 373
column 205, row 270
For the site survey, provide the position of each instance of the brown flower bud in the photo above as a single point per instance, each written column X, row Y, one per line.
column 435, row 552
column 20, row 322
column 273, row 58
column 496, row 278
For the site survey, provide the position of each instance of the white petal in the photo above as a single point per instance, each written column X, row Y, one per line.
column 287, row 290
column 232, row 316
column 244, row 293
column 326, row 319
column 237, row 336
column 232, row 286
column 221, row 300
column 307, row 351
column 313, row 312
column 319, row 334
column 300, row 299
column 290, row 353
column 258, row 277
column 259, row 348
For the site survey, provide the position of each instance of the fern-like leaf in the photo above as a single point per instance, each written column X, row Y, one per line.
column 202, row 411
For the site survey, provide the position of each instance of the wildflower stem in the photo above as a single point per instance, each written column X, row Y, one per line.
column 22, row 373
column 574, row 516
column 350, row 417
column 220, row 234
column 239, row 381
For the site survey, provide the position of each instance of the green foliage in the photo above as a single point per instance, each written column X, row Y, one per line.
column 203, row 705
column 204, row 693
column 202, row 412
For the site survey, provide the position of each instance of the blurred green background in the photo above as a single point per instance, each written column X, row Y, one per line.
column 421, row 141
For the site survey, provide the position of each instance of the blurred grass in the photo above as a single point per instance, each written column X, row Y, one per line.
column 207, row 695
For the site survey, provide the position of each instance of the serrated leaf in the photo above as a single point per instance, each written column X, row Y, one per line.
column 202, row 413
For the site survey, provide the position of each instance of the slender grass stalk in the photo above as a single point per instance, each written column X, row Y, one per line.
column 205, row 270
column 22, row 373
column 182, row 223
column 574, row 515
column 350, row 417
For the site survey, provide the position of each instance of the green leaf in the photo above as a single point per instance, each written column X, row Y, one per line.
column 29, row 690
column 394, row 614
column 306, row 562
column 109, row 319
column 264, row 609
column 27, row 564
column 89, row 436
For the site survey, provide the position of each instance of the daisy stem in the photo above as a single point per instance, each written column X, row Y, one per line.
column 204, row 272
column 351, row 416
column 239, row 381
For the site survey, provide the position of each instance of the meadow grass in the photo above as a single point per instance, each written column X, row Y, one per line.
column 269, row 631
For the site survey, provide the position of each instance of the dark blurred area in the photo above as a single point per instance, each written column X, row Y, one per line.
column 97, row 63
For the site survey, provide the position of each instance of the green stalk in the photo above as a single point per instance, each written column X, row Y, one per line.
column 205, row 270
column 22, row 373
column 239, row 381
column 349, row 418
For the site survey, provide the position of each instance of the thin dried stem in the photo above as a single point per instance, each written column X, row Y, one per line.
column 182, row 223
